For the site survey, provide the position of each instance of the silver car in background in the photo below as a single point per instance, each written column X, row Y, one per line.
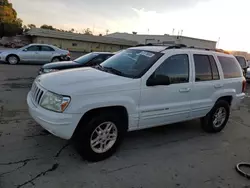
column 35, row 53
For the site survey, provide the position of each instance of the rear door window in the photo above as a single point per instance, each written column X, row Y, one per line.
column 230, row 67
column 205, row 68
column 47, row 49
column 215, row 72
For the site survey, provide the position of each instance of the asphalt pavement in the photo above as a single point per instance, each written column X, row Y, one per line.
column 179, row 155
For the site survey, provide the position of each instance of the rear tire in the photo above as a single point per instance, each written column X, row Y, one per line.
column 13, row 59
column 55, row 59
column 217, row 118
column 90, row 139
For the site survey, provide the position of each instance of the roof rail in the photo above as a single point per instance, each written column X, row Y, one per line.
column 178, row 46
column 149, row 44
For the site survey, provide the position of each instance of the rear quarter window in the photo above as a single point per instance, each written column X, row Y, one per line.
column 230, row 67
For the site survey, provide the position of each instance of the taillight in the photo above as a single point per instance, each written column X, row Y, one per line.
column 68, row 54
column 244, row 85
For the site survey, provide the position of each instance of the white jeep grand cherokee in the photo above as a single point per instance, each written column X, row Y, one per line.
column 138, row 88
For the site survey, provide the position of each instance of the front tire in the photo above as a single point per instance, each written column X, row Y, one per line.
column 13, row 60
column 100, row 137
column 217, row 118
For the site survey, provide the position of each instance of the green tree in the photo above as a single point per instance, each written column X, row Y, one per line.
column 9, row 23
column 48, row 27
column 31, row 26
column 87, row 32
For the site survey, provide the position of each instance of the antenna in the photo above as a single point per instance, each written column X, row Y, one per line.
column 93, row 29
column 218, row 42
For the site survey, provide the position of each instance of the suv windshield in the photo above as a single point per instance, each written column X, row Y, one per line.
column 242, row 61
column 131, row 63
column 86, row 58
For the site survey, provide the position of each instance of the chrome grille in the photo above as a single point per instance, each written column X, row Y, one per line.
column 36, row 93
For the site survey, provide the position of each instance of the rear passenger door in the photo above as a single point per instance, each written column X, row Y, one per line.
column 46, row 53
column 206, row 82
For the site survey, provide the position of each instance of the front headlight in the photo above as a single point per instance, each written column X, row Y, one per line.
column 54, row 102
column 49, row 70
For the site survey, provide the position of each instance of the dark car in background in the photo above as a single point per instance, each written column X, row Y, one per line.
column 243, row 63
column 88, row 60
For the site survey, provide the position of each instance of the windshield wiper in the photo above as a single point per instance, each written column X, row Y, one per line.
column 99, row 67
column 112, row 70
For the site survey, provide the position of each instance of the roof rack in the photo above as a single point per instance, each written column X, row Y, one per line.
column 179, row 46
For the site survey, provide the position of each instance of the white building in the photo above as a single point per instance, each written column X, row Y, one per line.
column 165, row 40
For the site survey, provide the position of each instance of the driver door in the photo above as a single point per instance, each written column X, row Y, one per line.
column 163, row 104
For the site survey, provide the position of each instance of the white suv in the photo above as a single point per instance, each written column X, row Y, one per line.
column 138, row 88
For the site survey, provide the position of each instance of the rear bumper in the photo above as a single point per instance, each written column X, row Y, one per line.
column 65, row 58
column 238, row 99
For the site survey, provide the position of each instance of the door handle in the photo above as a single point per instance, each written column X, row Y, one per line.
column 218, row 85
column 184, row 90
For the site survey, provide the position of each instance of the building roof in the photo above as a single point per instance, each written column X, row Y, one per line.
column 79, row 37
column 116, row 34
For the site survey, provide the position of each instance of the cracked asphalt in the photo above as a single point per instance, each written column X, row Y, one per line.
column 179, row 155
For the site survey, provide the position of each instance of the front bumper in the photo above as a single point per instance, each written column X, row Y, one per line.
column 59, row 124
column 2, row 58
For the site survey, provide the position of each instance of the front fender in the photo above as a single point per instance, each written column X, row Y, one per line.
column 130, row 101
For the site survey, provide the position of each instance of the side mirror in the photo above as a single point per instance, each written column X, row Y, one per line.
column 158, row 80
column 25, row 50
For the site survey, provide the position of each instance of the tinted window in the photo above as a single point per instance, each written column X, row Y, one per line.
column 47, row 49
column 242, row 61
column 97, row 60
column 203, row 70
column 230, row 67
column 33, row 48
column 215, row 72
column 86, row 58
column 176, row 68
column 107, row 56
column 132, row 63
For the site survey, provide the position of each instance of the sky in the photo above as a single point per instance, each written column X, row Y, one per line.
column 225, row 21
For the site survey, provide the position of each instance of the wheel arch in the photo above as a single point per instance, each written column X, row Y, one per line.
column 6, row 59
column 118, row 110
column 227, row 98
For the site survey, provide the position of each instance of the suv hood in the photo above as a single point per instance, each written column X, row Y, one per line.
column 81, row 81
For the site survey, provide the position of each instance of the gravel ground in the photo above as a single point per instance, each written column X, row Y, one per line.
column 179, row 155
